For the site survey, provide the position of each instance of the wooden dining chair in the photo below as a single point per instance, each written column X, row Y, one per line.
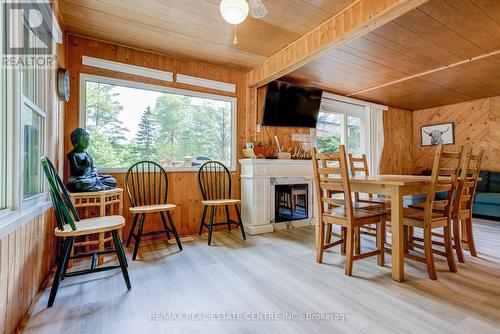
column 215, row 186
column 461, row 196
column 332, row 177
column 436, row 214
column 147, row 189
column 359, row 167
column 462, row 209
column 70, row 226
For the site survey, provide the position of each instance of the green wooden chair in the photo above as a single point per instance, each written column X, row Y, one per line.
column 70, row 226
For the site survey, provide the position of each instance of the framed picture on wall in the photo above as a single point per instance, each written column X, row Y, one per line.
column 437, row 134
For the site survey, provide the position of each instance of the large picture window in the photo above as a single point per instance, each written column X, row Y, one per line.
column 130, row 122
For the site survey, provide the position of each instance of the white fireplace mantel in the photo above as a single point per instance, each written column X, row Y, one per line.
column 258, row 177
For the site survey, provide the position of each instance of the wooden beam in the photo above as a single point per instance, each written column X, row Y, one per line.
column 361, row 17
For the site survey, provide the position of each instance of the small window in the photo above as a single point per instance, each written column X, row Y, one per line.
column 341, row 123
column 33, row 134
column 329, row 131
column 130, row 122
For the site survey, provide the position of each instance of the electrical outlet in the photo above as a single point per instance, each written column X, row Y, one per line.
column 257, row 128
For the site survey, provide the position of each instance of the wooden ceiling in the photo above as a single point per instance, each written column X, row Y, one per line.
column 406, row 63
column 195, row 28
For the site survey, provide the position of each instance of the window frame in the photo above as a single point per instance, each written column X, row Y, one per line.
column 18, row 209
column 363, row 114
column 84, row 78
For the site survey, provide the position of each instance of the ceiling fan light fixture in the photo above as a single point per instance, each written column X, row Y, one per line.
column 234, row 11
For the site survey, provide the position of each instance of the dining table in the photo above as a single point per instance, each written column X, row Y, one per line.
column 395, row 186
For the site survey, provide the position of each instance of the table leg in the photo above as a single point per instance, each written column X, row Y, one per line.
column 397, row 235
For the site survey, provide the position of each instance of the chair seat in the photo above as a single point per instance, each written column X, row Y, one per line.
column 421, row 206
column 92, row 225
column 381, row 202
column 340, row 212
column 152, row 208
column 417, row 216
column 218, row 202
column 418, row 205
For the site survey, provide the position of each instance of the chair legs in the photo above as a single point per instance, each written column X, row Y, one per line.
column 242, row 229
column 61, row 267
column 203, row 219
column 228, row 219
column 343, row 235
column 138, row 236
column 457, row 240
column 212, row 223
column 121, row 257
column 320, row 241
column 174, row 230
column 449, row 249
column 357, row 240
column 429, row 256
column 131, row 233
column 349, row 251
column 470, row 236
column 328, row 233
column 165, row 227
column 381, row 242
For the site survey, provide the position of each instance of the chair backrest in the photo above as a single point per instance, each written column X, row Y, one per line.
column 359, row 165
column 215, row 181
column 467, row 181
column 443, row 179
column 147, row 184
column 64, row 209
column 331, row 176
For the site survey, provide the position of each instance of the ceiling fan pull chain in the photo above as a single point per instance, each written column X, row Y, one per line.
column 235, row 40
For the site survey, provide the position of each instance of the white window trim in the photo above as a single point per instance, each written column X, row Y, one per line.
column 18, row 210
column 42, row 196
column 133, row 84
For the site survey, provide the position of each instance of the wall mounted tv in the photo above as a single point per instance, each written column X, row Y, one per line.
column 291, row 105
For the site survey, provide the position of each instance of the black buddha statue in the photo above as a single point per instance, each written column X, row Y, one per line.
column 84, row 176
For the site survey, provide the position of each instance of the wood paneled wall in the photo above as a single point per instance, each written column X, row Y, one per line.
column 26, row 258
column 28, row 253
column 397, row 154
column 183, row 186
column 476, row 123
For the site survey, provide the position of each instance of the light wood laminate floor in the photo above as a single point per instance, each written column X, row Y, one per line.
column 277, row 272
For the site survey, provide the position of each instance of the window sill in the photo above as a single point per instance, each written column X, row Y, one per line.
column 15, row 219
column 168, row 170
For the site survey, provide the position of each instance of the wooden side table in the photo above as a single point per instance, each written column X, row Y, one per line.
column 106, row 199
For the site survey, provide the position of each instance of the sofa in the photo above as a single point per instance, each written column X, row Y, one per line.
column 487, row 201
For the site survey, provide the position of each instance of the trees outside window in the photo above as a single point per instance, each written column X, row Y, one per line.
column 129, row 124
column 335, row 128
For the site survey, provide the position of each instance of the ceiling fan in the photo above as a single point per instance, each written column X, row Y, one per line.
column 236, row 11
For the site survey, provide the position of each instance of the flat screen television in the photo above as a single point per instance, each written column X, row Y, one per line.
column 291, row 105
